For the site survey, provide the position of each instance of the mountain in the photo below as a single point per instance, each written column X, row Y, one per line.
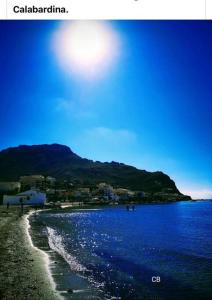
column 60, row 162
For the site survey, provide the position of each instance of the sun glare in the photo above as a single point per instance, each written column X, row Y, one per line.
column 86, row 47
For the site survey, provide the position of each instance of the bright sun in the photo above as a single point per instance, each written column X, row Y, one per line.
column 86, row 47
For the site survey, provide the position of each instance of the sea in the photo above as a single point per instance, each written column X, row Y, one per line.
column 157, row 251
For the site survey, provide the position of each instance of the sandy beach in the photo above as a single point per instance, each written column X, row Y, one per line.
column 23, row 271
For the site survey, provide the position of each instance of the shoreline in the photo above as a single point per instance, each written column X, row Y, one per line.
column 43, row 256
column 64, row 267
column 24, row 268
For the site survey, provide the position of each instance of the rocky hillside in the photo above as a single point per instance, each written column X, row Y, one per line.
column 60, row 162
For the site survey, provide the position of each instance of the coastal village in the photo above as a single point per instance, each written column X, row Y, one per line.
column 41, row 190
column 46, row 190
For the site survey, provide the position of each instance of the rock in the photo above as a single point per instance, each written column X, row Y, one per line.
column 70, row 291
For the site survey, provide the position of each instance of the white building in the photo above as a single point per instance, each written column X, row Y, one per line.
column 31, row 197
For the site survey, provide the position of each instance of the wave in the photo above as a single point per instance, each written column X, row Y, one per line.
column 56, row 243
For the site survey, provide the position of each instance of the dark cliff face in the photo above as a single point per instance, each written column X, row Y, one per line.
column 60, row 162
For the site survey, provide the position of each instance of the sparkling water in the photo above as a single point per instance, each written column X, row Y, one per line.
column 158, row 251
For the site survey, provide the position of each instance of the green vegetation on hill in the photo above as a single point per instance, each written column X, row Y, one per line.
column 60, row 162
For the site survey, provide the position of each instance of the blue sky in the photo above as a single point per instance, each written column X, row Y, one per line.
column 152, row 108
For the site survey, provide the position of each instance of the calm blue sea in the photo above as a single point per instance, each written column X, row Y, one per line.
column 159, row 251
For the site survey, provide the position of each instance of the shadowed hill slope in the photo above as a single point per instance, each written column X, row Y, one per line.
column 60, row 162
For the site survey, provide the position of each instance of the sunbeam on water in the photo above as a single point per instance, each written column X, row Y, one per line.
column 114, row 254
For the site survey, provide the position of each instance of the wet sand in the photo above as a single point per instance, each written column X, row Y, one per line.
column 23, row 272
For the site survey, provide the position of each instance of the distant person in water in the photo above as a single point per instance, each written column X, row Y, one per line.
column 127, row 207
column 8, row 205
column 133, row 207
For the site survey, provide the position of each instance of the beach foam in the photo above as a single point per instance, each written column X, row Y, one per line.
column 44, row 255
column 56, row 244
